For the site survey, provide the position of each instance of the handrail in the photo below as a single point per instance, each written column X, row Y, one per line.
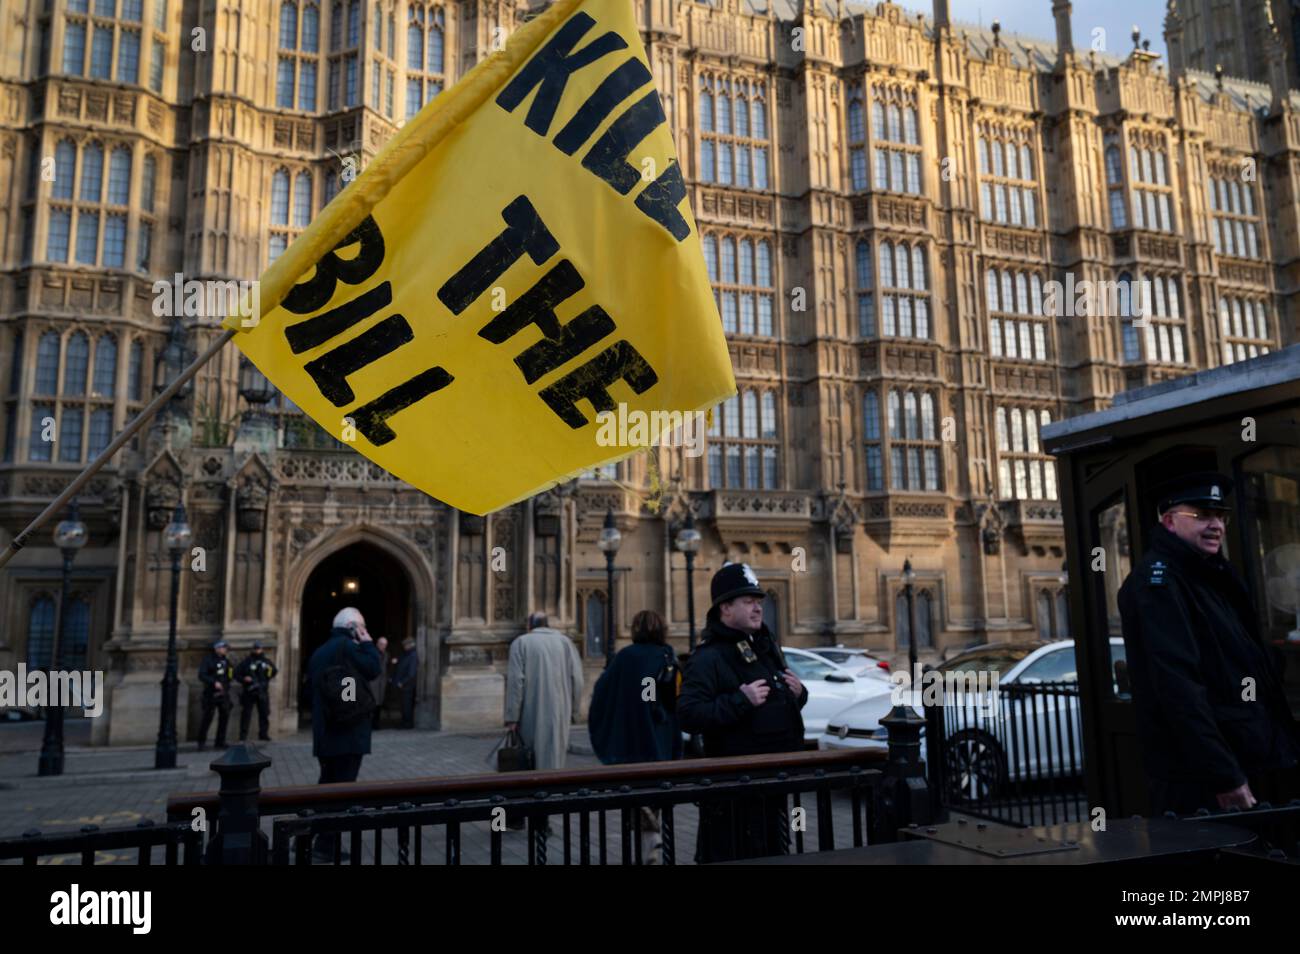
column 294, row 798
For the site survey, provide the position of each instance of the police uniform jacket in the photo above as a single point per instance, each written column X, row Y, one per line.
column 260, row 668
column 1192, row 640
column 712, row 704
column 216, row 669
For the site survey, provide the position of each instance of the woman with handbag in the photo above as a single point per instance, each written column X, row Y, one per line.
column 633, row 715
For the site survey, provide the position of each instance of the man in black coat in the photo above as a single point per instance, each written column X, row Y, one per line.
column 254, row 676
column 1211, row 714
column 404, row 677
column 339, row 749
column 216, row 674
column 740, row 695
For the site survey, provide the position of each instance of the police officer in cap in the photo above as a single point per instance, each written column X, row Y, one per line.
column 743, row 698
column 1215, row 728
column 254, row 676
column 216, row 674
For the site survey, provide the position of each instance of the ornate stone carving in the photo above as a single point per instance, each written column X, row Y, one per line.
column 303, row 535
column 251, row 499
column 161, row 499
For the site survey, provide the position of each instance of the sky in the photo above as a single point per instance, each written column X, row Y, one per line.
column 1033, row 18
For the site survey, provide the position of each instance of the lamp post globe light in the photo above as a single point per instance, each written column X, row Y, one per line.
column 69, row 537
column 176, row 538
column 688, row 541
column 609, row 542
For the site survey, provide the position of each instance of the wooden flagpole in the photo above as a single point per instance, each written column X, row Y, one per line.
column 128, row 432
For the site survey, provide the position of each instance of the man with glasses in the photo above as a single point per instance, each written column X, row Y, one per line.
column 1214, row 724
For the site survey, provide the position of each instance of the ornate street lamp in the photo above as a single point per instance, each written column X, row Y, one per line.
column 609, row 542
column 176, row 537
column 909, row 580
column 688, row 541
column 174, row 358
column 254, row 386
column 904, row 723
column 69, row 537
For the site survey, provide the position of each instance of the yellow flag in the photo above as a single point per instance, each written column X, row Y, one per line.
column 518, row 259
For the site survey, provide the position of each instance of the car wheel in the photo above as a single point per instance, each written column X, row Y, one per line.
column 976, row 766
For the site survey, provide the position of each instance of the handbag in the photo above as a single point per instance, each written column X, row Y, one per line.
column 512, row 754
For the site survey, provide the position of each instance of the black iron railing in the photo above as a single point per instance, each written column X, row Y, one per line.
column 606, row 826
column 1014, row 755
column 176, row 843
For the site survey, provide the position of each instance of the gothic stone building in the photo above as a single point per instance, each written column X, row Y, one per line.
column 883, row 198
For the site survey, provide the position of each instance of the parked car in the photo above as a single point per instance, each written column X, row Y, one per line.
column 831, row 688
column 1041, row 731
column 854, row 660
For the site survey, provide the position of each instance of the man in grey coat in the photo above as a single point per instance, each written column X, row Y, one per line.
column 543, row 690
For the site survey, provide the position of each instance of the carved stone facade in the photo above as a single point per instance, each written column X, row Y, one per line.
column 898, row 193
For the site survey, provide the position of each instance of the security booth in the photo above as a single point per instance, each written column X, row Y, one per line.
column 1242, row 420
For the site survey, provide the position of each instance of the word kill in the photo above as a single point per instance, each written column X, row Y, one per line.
column 525, row 233
column 549, row 71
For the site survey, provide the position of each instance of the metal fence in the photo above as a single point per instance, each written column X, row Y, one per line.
column 605, row 825
column 1013, row 756
column 176, row 843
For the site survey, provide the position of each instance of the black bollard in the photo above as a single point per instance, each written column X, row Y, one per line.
column 239, row 839
column 907, row 795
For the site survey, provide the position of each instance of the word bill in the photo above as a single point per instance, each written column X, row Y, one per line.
column 40, row 689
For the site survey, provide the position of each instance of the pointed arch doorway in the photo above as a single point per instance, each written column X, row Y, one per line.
column 362, row 575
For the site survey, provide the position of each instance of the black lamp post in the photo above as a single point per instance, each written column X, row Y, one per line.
column 909, row 579
column 688, row 541
column 904, row 723
column 609, row 542
column 69, row 537
column 177, row 537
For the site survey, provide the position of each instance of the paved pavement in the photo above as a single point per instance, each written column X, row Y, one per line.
column 119, row 786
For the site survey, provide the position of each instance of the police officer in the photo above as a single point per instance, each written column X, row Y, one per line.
column 254, row 676
column 743, row 698
column 216, row 674
column 1215, row 728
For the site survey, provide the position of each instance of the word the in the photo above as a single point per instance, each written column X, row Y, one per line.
column 632, row 428
column 526, row 234
column 56, row 689
column 103, row 907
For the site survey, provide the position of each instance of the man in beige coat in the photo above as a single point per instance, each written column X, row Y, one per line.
column 543, row 690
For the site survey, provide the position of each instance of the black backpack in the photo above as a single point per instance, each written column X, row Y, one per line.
column 340, row 712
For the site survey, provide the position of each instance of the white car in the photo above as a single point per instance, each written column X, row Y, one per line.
column 831, row 688
column 857, row 661
column 1028, row 735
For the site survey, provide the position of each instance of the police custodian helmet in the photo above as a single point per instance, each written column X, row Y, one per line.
column 1205, row 489
column 732, row 581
